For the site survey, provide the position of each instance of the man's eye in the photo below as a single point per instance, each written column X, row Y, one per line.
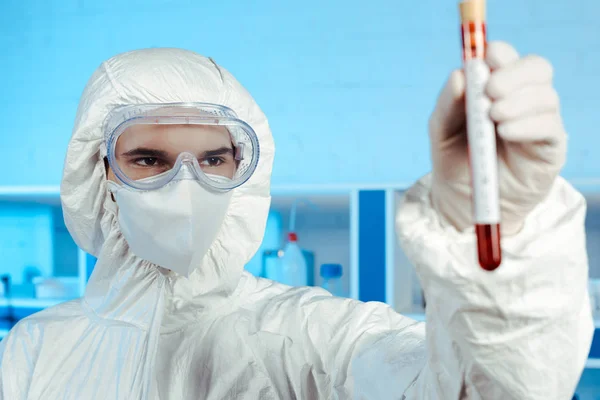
column 146, row 161
column 212, row 161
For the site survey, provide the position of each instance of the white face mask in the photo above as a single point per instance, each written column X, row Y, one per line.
column 172, row 227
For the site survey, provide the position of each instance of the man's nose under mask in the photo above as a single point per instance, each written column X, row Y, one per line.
column 173, row 226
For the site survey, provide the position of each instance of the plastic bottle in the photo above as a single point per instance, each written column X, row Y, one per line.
column 332, row 282
column 271, row 240
column 294, row 270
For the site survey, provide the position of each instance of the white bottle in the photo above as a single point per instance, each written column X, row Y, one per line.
column 294, row 271
column 332, row 282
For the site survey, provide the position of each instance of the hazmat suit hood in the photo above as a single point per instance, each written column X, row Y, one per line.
column 119, row 283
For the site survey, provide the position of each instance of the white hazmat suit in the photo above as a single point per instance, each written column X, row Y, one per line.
column 142, row 332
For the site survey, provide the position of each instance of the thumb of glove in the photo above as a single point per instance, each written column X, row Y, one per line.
column 448, row 117
column 450, row 190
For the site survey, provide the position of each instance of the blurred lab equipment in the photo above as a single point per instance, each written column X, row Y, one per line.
column 291, row 265
column 294, row 270
column 29, row 273
column 594, row 292
column 26, row 289
column 332, row 282
column 272, row 268
column 271, row 240
column 7, row 314
column 5, row 287
column 55, row 287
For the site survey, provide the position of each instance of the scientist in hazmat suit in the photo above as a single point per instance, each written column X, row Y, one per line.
column 166, row 181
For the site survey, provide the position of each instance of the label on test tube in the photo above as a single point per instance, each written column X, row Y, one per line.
column 481, row 134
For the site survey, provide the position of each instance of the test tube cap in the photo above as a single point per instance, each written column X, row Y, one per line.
column 472, row 10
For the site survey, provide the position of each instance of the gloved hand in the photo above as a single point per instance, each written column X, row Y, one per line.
column 531, row 139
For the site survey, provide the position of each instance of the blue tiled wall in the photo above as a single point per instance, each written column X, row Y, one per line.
column 350, row 83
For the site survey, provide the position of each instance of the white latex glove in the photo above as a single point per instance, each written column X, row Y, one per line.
column 531, row 145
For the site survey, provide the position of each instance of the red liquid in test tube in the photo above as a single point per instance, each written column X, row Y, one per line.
column 481, row 135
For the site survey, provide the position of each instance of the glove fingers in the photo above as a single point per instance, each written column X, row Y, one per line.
column 528, row 101
column 530, row 70
column 545, row 127
column 449, row 113
column 500, row 54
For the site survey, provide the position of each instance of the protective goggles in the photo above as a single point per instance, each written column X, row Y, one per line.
column 150, row 145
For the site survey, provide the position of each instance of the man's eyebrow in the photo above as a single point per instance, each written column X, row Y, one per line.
column 146, row 152
column 218, row 152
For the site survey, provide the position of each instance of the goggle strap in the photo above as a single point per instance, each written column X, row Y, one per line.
column 239, row 152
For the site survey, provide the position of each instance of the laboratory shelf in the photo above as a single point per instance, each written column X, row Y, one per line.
column 592, row 363
column 44, row 193
column 588, row 186
column 416, row 316
column 352, row 224
column 31, row 302
column 30, row 194
column 15, row 309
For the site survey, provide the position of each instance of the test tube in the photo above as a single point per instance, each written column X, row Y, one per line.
column 481, row 135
